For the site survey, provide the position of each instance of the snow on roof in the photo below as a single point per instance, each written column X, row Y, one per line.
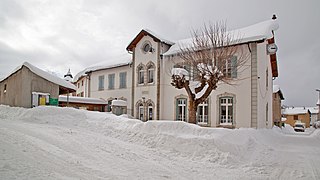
column 43, row 74
column 112, row 63
column 313, row 110
column 159, row 37
column 295, row 110
column 83, row 100
column 256, row 32
column 118, row 103
column 276, row 88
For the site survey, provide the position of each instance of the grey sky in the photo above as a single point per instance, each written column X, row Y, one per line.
column 58, row 34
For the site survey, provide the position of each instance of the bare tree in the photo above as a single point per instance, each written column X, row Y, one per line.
column 213, row 55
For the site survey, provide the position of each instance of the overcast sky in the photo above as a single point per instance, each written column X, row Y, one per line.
column 59, row 34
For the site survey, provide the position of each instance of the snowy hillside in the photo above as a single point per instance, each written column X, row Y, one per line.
column 65, row 143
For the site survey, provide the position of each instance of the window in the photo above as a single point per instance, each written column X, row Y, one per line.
column 101, row 83
column 5, row 88
column 150, row 74
column 202, row 113
column 78, row 85
column 140, row 75
column 123, row 80
column 141, row 112
column 295, row 117
column 150, row 111
column 146, row 47
column 226, row 110
column 267, row 77
column 267, row 115
column 230, row 69
column 82, row 83
column 111, row 81
column 181, row 109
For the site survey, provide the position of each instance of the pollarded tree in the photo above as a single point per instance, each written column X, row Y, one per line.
column 213, row 55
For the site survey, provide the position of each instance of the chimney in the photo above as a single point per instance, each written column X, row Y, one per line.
column 274, row 17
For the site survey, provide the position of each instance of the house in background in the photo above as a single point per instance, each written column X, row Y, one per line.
column 28, row 86
column 91, row 104
column 108, row 81
column 144, row 81
column 277, row 97
column 297, row 114
column 314, row 114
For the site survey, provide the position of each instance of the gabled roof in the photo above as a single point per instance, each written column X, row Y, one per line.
column 44, row 75
column 143, row 33
column 276, row 89
column 257, row 32
column 295, row 111
column 119, row 61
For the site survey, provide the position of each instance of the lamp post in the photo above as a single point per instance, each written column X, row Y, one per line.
column 318, row 104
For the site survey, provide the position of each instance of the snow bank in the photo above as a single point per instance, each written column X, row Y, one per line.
column 96, row 145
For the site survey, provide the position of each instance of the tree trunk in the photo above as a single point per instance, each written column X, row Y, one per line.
column 192, row 112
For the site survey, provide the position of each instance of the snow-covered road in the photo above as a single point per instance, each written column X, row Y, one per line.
column 63, row 143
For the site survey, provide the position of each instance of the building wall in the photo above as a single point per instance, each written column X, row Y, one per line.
column 20, row 86
column 265, row 87
column 148, row 91
column 304, row 118
column 240, row 91
column 276, row 108
column 110, row 94
column 13, row 94
column 82, row 86
column 90, row 107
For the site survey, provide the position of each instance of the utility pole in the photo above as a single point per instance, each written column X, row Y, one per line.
column 318, row 104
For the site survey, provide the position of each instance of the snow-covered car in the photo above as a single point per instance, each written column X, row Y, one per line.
column 299, row 127
column 316, row 124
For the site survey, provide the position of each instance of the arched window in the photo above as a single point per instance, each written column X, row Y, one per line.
column 141, row 111
column 140, row 71
column 150, row 73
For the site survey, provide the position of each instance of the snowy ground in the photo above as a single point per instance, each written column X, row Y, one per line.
column 64, row 143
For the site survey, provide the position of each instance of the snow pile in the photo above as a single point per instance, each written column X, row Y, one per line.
column 65, row 143
column 180, row 72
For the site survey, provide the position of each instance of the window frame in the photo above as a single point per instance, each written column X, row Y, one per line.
column 203, row 108
column 101, row 82
column 122, row 80
column 111, row 81
column 227, row 106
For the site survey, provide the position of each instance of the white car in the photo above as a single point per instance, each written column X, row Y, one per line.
column 299, row 127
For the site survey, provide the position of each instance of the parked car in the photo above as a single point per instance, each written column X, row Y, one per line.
column 316, row 124
column 299, row 127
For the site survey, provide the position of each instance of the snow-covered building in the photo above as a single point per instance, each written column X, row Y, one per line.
column 109, row 81
column 150, row 95
column 91, row 104
column 28, row 86
column 297, row 114
column 277, row 97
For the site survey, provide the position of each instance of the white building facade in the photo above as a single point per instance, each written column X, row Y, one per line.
column 150, row 95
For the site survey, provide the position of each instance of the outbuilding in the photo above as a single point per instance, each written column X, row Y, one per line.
column 28, row 86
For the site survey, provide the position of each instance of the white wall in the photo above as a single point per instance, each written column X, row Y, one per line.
column 264, row 93
column 117, row 92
